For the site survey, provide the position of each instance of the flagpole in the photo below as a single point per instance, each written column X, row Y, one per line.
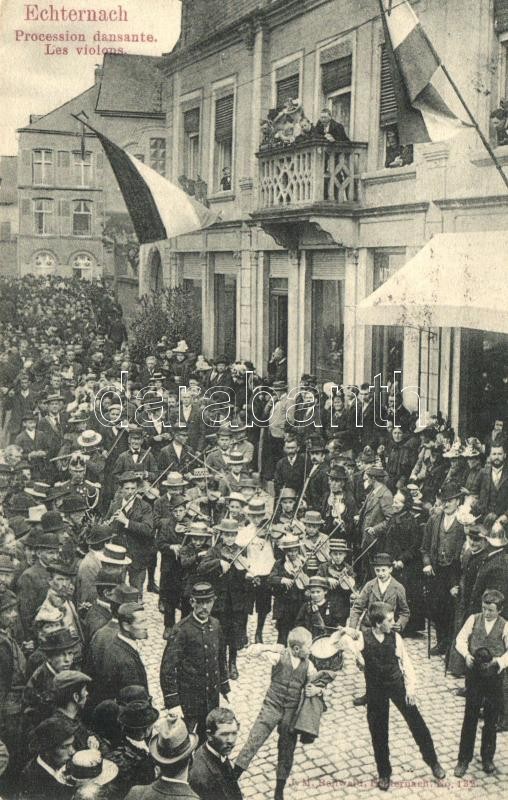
column 479, row 131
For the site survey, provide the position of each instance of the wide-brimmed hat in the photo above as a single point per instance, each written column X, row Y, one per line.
column 228, row 525
column 138, row 714
column 115, row 555
column 199, row 528
column 235, row 457
column 312, row 518
column 130, row 475
column 287, row 494
column 450, row 491
column 47, row 541
column 108, row 575
column 52, row 398
column 52, row 522
column 256, row 506
column 177, row 500
column 382, row 560
column 455, row 451
column 317, row 582
column 497, row 538
column 35, row 513
column 89, row 438
column 339, row 546
column 90, row 766
column 38, row 489
column 58, row 641
column 68, row 678
column 174, row 480
column 202, row 590
column 199, row 474
column 289, row 541
column 73, row 503
column 473, row 448
column 236, row 496
column 99, row 533
column 67, row 568
column 122, row 593
column 173, row 741
column 338, row 473
column 376, row 472
column 181, row 347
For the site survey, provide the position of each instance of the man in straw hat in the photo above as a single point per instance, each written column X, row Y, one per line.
column 171, row 748
column 193, row 670
column 442, row 544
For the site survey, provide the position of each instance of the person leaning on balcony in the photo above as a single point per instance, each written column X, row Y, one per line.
column 329, row 128
column 307, row 131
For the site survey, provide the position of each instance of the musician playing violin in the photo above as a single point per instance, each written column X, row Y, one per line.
column 288, row 581
column 169, row 535
column 228, row 570
column 340, row 579
column 339, row 505
column 194, row 548
column 314, row 542
column 132, row 522
column 259, row 551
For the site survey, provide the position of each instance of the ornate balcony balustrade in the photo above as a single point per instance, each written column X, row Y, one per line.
column 311, row 173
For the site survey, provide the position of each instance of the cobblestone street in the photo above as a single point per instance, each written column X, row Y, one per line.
column 340, row 762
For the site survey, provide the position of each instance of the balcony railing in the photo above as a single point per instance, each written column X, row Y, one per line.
column 310, row 173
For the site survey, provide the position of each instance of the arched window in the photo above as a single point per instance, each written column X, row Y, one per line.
column 44, row 262
column 82, row 265
column 81, row 218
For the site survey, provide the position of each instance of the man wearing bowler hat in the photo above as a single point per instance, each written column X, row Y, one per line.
column 90, row 565
column 171, row 748
column 443, row 539
column 193, row 671
column 132, row 757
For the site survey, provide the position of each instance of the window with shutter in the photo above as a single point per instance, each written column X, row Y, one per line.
column 388, row 104
column 287, row 89
column 44, row 216
column 42, row 167
column 191, row 121
column 81, row 218
column 224, row 118
column 336, row 74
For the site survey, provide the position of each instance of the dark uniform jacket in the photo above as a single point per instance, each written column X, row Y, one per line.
column 114, row 669
column 145, row 463
column 211, row 779
column 138, row 538
column 193, row 669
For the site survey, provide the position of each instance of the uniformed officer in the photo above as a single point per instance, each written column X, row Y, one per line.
column 193, row 671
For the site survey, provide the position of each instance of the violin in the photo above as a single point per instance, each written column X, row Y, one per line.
column 344, row 576
column 236, row 559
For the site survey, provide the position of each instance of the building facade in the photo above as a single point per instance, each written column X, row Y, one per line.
column 308, row 232
column 72, row 218
column 8, row 215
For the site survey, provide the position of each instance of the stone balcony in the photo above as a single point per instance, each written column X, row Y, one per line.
column 314, row 182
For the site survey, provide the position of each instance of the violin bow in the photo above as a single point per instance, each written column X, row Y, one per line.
column 316, row 550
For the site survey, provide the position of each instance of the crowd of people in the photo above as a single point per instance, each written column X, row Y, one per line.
column 228, row 496
column 289, row 124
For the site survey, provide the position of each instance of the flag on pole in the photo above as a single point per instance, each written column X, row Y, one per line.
column 418, row 78
column 158, row 209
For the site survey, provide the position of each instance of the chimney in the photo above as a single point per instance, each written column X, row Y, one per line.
column 35, row 117
column 98, row 73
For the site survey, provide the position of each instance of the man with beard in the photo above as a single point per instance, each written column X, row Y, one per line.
column 193, row 671
column 375, row 513
column 442, row 544
column 211, row 774
column 493, row 491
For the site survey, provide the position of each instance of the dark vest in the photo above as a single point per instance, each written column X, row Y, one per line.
column 381, row 663
column 287, row 683
column 493, row 640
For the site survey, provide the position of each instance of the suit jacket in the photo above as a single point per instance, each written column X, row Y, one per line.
column 394, row 596
column 138, row 538
column 114, row 669
column 430, row 544
column 336, row 129
column 96, row 618
column 54, row 433
column 492, row 574
column 37, row 784
column 168, row 459
column 39, row 466
column 375, row 513
column 195, row 425
column 86, row 591
column 289, row 476
column 317, row 487
column 160, row 789
column 32, row 589
column 18, row 406
column 490, row 498
column 211, row 779
column 126, row 463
